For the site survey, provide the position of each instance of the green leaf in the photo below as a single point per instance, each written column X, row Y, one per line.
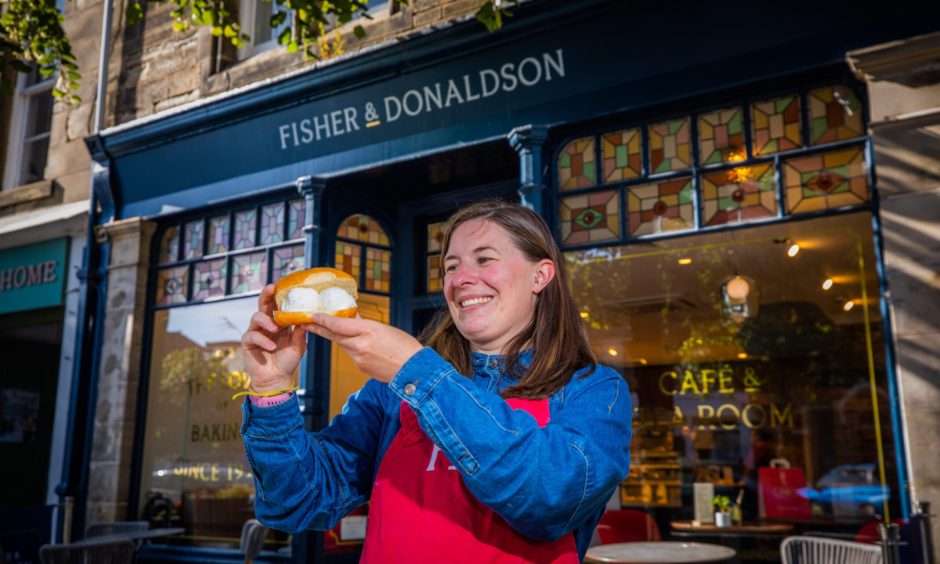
column 58, row 93
column 278, row 18
column 46, row 72
column 229, row 32
column 292, row 47
column 134, row 13
column 359, row 32
column 73, row 75
column 284, row 37
column 180, row 25
column 216, row 31
column 75, row 99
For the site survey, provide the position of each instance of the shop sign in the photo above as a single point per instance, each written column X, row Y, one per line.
column 33, row 276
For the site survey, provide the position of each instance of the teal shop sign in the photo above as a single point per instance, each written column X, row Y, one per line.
column 32, row 277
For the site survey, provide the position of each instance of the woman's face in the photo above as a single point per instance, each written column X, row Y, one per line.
column 490, row 286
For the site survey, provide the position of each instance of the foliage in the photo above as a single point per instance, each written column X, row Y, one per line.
column 31, row 31
column 721, row 503
column 31, row 35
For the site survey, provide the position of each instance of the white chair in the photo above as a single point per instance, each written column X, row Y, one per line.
column 816, row 550
column 252, row 541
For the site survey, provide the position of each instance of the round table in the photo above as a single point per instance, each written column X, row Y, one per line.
column 659, row 552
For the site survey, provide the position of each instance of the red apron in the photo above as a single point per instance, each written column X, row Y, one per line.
column 421, row 511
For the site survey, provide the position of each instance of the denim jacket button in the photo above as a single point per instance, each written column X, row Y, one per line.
column 410, row 389
column 492, row 363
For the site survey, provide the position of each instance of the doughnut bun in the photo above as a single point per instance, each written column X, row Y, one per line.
column 319, row 279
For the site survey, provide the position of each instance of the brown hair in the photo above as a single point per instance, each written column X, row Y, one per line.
column 556, row 332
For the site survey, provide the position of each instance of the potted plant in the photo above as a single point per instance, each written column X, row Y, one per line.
column 722, row 506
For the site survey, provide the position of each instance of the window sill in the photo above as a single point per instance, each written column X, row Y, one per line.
column 26, row 193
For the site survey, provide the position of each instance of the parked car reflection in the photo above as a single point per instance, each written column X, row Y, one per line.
column 849, row 490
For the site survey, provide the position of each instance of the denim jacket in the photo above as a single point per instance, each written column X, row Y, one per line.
column 545, row 482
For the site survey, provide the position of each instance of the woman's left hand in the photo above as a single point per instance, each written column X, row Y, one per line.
column 378, row 350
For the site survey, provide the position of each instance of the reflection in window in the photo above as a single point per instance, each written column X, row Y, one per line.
column 737, row 354
column 194, row 472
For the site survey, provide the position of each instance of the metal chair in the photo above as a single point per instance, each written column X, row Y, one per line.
column 115, row 528
column 115, row 552
column 817, row 550
column 252, row 540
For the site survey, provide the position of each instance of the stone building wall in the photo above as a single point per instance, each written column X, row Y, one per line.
column 904, row 91
column 155, row 68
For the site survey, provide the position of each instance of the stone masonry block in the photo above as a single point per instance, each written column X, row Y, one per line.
column 66, row 158
column 79, row 122
column 461, row 8
column 428, row 17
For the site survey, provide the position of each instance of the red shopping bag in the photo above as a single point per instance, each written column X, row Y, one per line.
column 779, row 487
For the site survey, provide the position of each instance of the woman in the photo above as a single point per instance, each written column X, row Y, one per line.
column 500, row 440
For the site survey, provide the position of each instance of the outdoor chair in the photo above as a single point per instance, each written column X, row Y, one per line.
column 252, row 540
column 116, row 552
column 818, row 550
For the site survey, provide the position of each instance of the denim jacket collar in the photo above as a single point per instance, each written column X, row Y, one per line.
column 495, row 364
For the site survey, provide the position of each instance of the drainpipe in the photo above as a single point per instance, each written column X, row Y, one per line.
column 92, row 292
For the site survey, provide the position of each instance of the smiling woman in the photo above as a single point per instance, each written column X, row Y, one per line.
column 505, row 397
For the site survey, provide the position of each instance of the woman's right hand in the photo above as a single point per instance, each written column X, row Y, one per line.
column 272, row 353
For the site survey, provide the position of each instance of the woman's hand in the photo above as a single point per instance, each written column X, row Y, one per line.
column 378, row 350
column 272, row 353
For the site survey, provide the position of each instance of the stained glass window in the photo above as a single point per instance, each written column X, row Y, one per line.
column 272, row 223
column 670, row 145
column 739, row 194
column 192, row 239
column 826, row 180
column 622, row 152
column 721, row 136
column 295, row 219
column 590, row 217
column 435, row 237
column 363, row 228
column 576, row 168
column 249, row 272
column 835, row 113
column 348, row 258
column 287, row 260
column 169, row 245
column 244, row 229
column 775, row 125
column 209, row 281
column 660, row 207
column 218, row 234
column 378, row 269
column 171, row 285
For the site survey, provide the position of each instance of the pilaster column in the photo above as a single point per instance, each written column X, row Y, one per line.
column 527, row 141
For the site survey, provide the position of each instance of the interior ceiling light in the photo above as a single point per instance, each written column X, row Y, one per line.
column 684, row 261
column 612, row 351
column 584, row 315
column 642, row 361
column 848, row 305
column 742, row 355
column 793, row 250
column 827, row 283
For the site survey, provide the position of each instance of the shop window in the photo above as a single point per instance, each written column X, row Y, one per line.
column 745, row 346
column 757, row 160
column 255, row 20
column 361, row 240
column 30, row 127
column 435, row 237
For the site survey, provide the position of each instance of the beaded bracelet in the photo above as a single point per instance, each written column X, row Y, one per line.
column 250, row 392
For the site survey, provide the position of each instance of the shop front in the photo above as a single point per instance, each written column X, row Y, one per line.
column 719, row 220
column 37, row 327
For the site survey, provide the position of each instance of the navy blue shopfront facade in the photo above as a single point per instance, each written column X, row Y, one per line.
column 397, row 137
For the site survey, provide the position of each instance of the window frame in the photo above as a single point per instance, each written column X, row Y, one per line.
column 18, row 136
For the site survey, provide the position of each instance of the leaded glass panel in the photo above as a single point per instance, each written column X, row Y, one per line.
column 576, row 167
column 434, row 273
column 287, row 260
column 660, row 207
column 622, row 152
column 835, row 113
column 249, row 272
column 359, row 227
column 192, row 239
column 721, row 136
column 209, row 281
column 670, row 145
column 169, row 245
column 171, row 285
column 826, row 180
column 378, row 269
column 244, row 229
column 590, row 217
column 739, row 194
column 348, row 257
column 295, row 219
column 776, row 125
column 435, row 238
column 272, row 223
column 218, row 234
